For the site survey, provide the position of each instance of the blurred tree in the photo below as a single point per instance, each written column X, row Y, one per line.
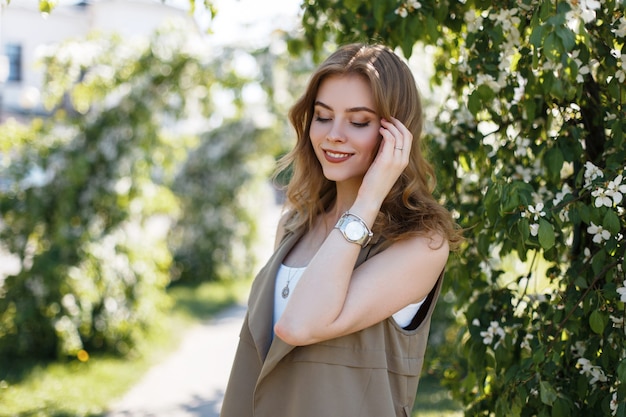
column 529, row 143
column 214, row 237
column 85, row 198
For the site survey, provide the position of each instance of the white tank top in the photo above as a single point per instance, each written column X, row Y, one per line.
column 287, row 274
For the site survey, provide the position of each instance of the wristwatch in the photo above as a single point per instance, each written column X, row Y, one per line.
column 354, row 229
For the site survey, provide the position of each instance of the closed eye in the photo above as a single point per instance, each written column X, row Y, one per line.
column 321, row 119
column 364, row 124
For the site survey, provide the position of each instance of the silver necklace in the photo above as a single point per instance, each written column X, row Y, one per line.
column 285, row 292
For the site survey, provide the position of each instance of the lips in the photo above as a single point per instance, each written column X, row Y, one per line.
column 332, row 156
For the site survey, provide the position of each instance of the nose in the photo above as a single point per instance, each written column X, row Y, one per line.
column 335, row 134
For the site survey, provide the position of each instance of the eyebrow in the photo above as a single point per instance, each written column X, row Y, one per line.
column 350, row 110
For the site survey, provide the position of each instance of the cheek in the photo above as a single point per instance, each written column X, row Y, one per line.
column 315, row 134
column 374, row 145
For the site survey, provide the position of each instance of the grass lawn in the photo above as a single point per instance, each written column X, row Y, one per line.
column 84, row 389
column 434, row 401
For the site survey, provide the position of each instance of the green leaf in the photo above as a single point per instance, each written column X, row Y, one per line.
column 546, row 234
column 486, row 92
column 531, row 108
column 581, row 282
column 567, row 37
column 618, row 134
column 432, row 29
column 352, row 5
column 547, row 393
column 611, row 222
column 597, row 322
column 475, row 103
column 584, row 212
column 598, row 262
column 560, row 408
column 546, row 10
column 554, row 162
column 509, row 200
column 552, row 47
column 379, row 12
column 536, row 37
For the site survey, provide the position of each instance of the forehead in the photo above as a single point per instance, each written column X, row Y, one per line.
column 341, row 92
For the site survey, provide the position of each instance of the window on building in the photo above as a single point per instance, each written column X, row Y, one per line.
column 14, row 53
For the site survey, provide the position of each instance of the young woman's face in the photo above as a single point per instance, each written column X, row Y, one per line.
column 345, row 127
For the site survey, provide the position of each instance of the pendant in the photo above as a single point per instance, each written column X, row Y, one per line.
column 285, row 292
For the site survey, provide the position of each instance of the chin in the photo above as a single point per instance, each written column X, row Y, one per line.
column 335, row 176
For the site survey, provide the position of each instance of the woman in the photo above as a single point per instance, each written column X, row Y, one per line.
column 366, row 244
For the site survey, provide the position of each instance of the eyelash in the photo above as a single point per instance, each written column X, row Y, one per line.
column 324, row 120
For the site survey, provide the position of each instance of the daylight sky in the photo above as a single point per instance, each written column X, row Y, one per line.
column 249, row 21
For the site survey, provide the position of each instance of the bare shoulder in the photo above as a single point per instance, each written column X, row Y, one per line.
column 432, row 244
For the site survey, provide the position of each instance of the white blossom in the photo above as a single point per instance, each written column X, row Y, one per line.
column 492, row 331
column 523, row 173
column 473, row 21
column 622, row 292
column 592, row 172
column 599, row 233
column 621, row 28
column 602, row 198
column 564, row 215
column 565, row 191
column 414, row 4
column 589, row 370
column 407, row 7
column 615, row 189
column 525, row 344
column 583, row 9
column 578, row 349
column 506, row 18
column 583, row 69
column 534, row 213
column 37, row 287
column 522, row 146
column 618, row 322
column 613, row 404
column 489, row 81
column 620, row 74
column 534, row 229
column 402, row 11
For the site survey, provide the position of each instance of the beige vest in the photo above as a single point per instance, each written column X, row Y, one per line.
column 370, row 373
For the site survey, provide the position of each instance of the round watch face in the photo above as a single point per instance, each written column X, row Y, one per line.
column 355, row 231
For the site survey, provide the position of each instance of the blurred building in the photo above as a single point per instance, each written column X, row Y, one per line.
column 23, row 29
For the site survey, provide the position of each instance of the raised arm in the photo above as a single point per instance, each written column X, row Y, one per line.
column 332, row 298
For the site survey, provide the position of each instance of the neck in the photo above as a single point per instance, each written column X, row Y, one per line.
column 346, row 195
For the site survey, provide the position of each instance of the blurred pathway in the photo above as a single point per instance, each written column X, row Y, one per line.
column 191, row 381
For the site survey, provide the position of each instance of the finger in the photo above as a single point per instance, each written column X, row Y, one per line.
column 392, row 133
column 405, row 134
column 399, row 133
column 389, row 139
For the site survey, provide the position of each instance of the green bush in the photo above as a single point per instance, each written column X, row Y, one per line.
column 530, row 150
column 219, row 187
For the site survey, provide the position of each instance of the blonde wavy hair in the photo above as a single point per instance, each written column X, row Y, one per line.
column 410, row 208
